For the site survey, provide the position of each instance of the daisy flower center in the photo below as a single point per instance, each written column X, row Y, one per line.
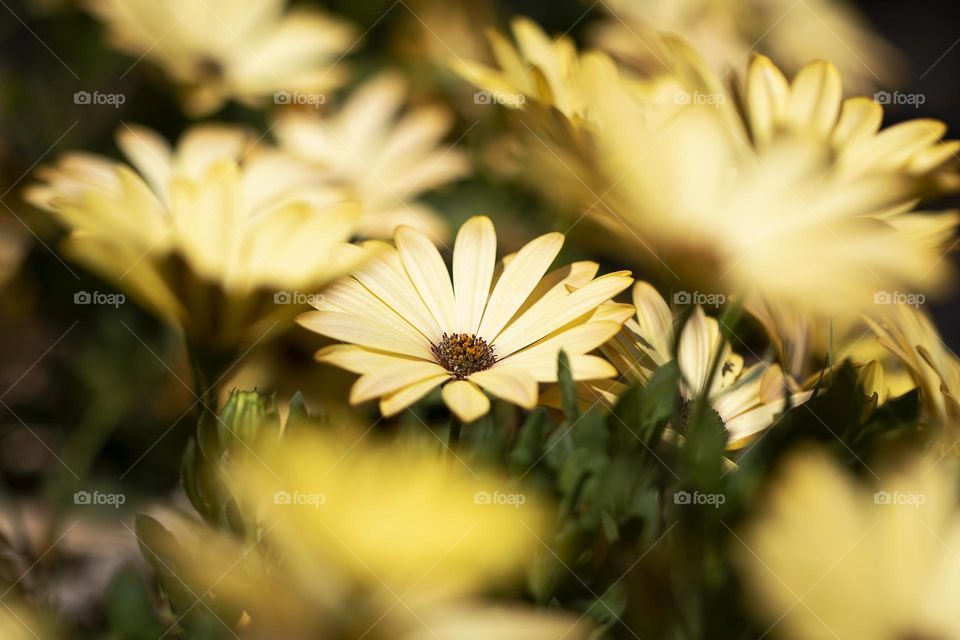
column 462, row 354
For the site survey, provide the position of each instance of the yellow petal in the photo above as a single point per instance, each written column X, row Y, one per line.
column 815, row 98
column 364, row 332
column 391, row 377
column 767, row 92
column 518, row 280
column 429, row 275
column 512, row 384
column 357, row 359
column 396, row 402
column 465, row 400
column 474, row 258
column 654, row 318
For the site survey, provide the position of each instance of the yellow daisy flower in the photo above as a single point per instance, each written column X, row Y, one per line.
column 386, row 157
column 410, row 329
column 205, row 234
column 747, row 401
column 216, row 50
column 910, row 335
column 829, row 557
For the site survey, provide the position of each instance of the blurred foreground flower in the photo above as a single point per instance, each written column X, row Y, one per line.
column 830, row 558
column 803, row 202
column 216, row 50
column 387, row 159
column 411, row 330
column 361, row 540
column 726, row 31
column 211, row 235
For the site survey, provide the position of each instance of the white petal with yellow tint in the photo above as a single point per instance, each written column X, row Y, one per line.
column 574, row 341
column 349, row 296
column 518, row 280
column 696, row 348
column 860, row 118
column 542, row 319
column 150, row 154
column 815, row 96
column 364, row 332
column 392, row 377
column 513, row 384
column 387, row 278
column 429, row 275
column 474, row 258
column 357, row 359
column 396, row 402
column 465, row 400
column 767, row 92
column 654, row 318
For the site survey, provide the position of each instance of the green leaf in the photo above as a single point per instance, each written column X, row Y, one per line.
column 645, row 411
column 568, row 389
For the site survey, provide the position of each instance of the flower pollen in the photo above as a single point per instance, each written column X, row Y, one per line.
column 463, row 354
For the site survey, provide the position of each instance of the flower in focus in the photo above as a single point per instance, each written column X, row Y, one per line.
column 216, row 50
column 725, row 30
column 385, row 157
column 747, row 401
column 912, row 338
column 829, row 558
column 410, row 330
column 353, row 546
column 207, row 234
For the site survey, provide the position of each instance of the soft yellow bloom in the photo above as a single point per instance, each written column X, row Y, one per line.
column 205, row 233
column 830, row 558
column 410, row 329
column 748, row 401
column 216, row 50
column 910, row 335
column 386, row 157
column 363, row 539
column 726, row 31
column 803, row 203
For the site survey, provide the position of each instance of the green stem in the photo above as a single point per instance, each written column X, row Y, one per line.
column 453, row 441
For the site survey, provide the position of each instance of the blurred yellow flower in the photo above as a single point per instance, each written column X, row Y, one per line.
column 726, row 31
column 747, row 401
column 410, row 330
column 217, row 50
column 910, row 335
column 366, row 539
column 830, row 558
column 207, row 234
column 386, row 157
column 803, row 203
